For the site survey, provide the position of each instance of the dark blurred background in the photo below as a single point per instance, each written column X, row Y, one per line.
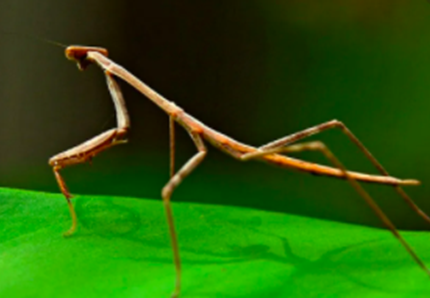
column 255, row 70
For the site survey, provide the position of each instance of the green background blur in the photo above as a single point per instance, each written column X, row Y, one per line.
column 255, row 70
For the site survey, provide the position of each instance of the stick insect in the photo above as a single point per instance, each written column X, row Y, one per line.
column 273, row 153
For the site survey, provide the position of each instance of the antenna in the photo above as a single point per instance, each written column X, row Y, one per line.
column 34, row 37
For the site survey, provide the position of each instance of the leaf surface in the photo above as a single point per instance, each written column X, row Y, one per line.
column 122, row 249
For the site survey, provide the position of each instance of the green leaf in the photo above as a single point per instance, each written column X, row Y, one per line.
column 122, row 249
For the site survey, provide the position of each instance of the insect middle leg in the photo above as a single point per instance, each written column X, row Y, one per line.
column 166, row 194
column 321, row 147
column 274, row 146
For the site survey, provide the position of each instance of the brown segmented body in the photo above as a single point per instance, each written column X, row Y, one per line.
column 199, row 133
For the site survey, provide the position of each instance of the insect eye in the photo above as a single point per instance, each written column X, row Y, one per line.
column 76, row 53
